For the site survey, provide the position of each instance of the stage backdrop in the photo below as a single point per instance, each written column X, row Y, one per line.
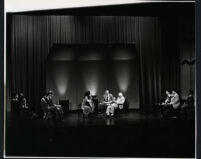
column 30, row 39
column 73, row 69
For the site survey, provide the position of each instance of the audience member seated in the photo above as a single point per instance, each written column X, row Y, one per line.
column 107, row 100
column 174, row 105
column 48, row 106
column 87, row 104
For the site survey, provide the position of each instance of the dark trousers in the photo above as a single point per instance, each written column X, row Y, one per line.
column 169, row 111
column 57, row 114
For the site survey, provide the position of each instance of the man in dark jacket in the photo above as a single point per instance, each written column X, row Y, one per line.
column 48, row 106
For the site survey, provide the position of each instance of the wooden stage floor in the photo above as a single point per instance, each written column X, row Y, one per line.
column 131, row 134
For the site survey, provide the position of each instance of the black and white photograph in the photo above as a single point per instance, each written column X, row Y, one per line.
column 106, row 80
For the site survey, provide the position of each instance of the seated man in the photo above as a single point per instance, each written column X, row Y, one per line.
column 120, row 100
column 168, row 97
column 117, row 103
column 110, row 108
column 48, row 106
column 107, row 99
column 160, row 106
column 188, row 104
column 173, row 105
column 189, row 101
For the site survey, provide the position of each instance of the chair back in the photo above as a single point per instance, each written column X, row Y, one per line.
column 126, row 104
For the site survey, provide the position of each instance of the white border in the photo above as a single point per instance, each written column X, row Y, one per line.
column 96, row 3
column 32, row 5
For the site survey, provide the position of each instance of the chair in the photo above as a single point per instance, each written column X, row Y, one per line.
column 171, row 112
column 65, row 106
column 188, row 111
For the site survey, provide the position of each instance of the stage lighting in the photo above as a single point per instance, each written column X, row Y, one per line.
column 91, row 78
column 61, row 77
column 123, row 76
column 92, row 85
column 61, row 84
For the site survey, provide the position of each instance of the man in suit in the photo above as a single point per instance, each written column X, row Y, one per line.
column 107, row 100
column 48, row 106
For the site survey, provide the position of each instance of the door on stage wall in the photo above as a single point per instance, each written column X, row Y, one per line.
column 73, row 69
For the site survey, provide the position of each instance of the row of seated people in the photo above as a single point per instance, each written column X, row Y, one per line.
column 19, row 105
column 109, row 103
column 175, row 104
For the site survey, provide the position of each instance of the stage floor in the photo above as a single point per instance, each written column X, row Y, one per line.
column 75, row 119
column 131, row 134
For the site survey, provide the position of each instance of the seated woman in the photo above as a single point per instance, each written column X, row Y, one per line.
column 87, row 104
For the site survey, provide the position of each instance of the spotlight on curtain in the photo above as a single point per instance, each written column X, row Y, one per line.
column 123, row 76
column 91, row 82
column 123, row 56
column 61, row 78
column 91, row 76
column 61, row 83
column 92, row 86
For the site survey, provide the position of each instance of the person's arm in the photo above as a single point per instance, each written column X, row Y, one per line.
column 121, row 100
column 175, row 102
column 166, row 100
column 87, row 99
column 176, row 99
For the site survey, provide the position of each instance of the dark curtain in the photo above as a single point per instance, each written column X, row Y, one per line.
column 33, row 36
column 171, row 54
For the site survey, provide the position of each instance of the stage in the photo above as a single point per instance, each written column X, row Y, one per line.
column 131, row 134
